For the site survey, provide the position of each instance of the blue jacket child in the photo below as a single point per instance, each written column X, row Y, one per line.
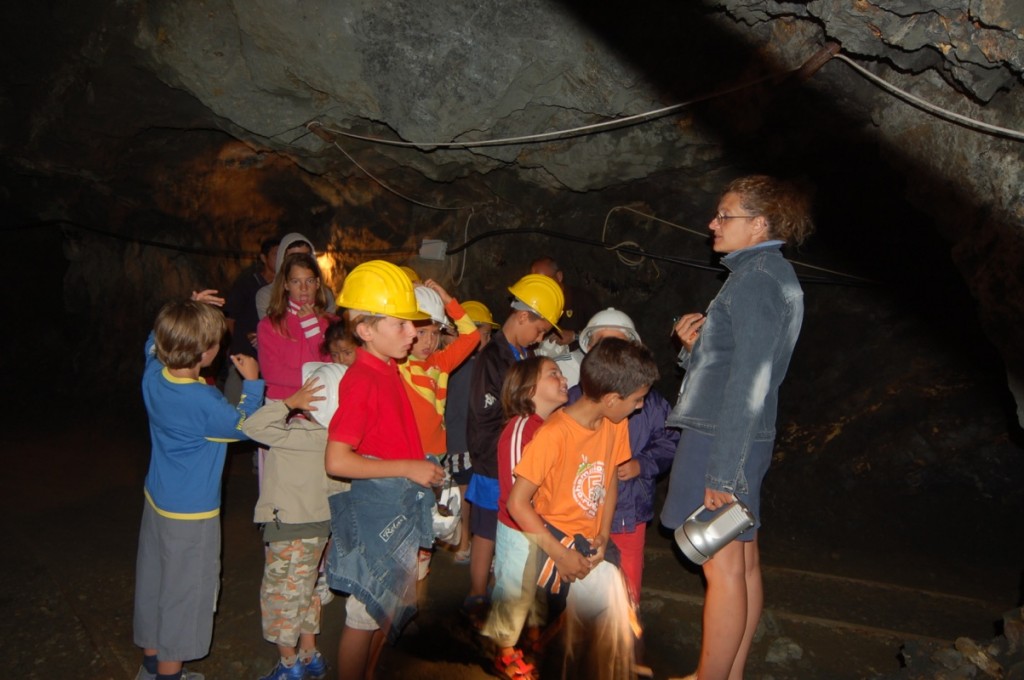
column 178, row 567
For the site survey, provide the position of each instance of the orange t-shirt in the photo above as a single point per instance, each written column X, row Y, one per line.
column 571, row 467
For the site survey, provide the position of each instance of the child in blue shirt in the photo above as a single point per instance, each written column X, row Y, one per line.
column 190, row 422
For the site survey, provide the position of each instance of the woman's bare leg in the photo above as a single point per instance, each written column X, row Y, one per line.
column 755, row 603
column 732, row 610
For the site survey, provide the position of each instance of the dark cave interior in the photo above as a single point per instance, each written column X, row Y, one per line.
column 126, row 183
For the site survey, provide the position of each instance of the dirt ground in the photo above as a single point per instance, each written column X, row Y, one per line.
column 71, row 496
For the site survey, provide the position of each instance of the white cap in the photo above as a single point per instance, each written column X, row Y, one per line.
column 429, row 302
column 611, row 319
column 329, row 376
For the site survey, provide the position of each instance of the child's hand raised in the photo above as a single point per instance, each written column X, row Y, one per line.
column 248, row 367
column 424, row 473
column 436, row 287
column 208, row 296
column 307, row 394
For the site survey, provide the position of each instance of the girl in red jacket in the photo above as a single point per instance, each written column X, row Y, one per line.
column 292, row 332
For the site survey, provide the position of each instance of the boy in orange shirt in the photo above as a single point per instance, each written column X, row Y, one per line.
column 566, row 483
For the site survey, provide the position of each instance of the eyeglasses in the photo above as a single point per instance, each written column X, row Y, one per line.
column 720, row 217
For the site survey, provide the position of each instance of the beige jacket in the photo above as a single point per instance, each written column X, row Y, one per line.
column 295, row 485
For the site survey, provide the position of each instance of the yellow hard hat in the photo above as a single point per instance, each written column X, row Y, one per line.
column 542, row 294
column 380, row 287
column 478, row 312
column 411, row 273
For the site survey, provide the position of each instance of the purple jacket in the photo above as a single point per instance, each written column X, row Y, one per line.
column 654, row 446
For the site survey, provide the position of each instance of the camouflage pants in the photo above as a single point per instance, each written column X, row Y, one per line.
column 287, row 601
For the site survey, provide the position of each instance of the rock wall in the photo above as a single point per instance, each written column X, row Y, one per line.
column 405, row 72
column 158, row 142
column 964, row 57
column 149, row 145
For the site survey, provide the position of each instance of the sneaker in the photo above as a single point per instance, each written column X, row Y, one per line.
column 282, row 672
column 514, row 666
column 316, row 667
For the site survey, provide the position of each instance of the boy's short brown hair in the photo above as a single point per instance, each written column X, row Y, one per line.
column 616, row 366
column 358, row 316
column 184, row 330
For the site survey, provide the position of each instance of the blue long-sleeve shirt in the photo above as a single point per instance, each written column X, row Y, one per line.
column 190, row 425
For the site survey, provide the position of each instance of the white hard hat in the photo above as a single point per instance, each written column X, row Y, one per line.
column 612, row 319
column 430, row 303
column 330, row 377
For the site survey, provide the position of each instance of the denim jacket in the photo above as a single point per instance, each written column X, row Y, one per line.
column 378, row 528
column 731, row 386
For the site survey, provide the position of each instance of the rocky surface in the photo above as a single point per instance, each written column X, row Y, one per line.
column 185, row 124
column 148, row 146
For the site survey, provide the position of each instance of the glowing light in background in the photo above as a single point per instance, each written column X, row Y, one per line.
column 331, row 268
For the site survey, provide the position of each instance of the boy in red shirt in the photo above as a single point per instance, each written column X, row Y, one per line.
column 382, row 522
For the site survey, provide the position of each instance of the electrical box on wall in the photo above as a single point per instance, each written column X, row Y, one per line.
column 432, row 249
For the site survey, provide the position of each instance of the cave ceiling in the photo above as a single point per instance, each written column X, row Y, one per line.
column 375, row 124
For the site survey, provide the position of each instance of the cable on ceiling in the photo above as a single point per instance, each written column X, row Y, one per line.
column 465, row 235
column 704, row 235
column 578, row 131
column 928, row 106
column 191, row 250
column 382, row 183
column 328, row 134
column 688, row 262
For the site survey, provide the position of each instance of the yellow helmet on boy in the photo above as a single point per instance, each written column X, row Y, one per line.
column 380, row 287
column 542, row 294
column 479, row 313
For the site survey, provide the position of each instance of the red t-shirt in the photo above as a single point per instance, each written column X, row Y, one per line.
column 517, row 434
column 374, row 416
column 572, row 466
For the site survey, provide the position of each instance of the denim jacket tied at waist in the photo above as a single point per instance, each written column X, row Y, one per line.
column 378, row 528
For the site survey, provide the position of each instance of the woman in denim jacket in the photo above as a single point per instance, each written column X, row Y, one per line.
column 735, row 359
